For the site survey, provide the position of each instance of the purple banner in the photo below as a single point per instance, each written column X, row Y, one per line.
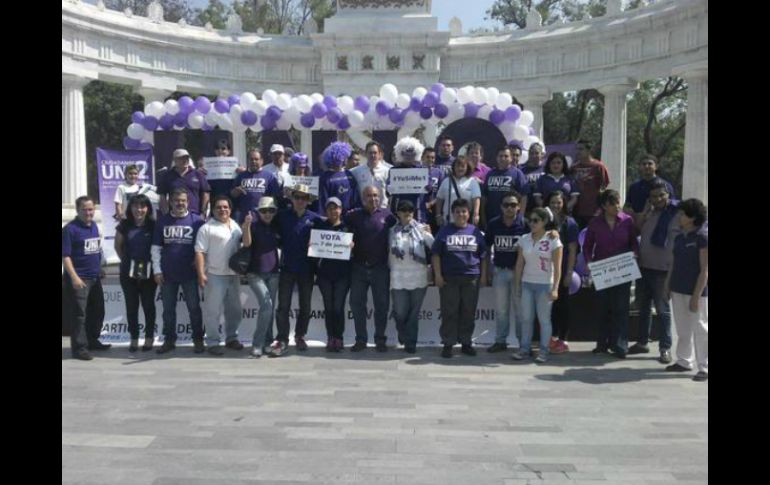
column 111, row 172
column 568, row 149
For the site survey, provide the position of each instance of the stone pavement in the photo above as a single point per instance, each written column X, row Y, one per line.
column 370, row 418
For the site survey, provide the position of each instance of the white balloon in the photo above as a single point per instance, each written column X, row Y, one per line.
column 317, row 98
column 389, row 93
column 520, row 132
column 172, row 106
column 448, row 96
column 248, row 99
column 269, row 96
column 283, row 123
column 480, row 96
column 226, row 123
column 457, row 111
column 304, row 103
column 346, row 104
column 412, row 120
column 212, row 118
column 292, row 114
column 465, row 94
column 526, row 118
column 148, row 137
column 492, row 94
column 259, row 107
column 135, row 131
column 283, row 101
column 402, row 101
column 507, row 128
column 356, row 118
column 155, row 109
column 419, row 92
column 236, row 111
column 504, row 101
column 195, row 120
column 484, row 111
column 533, row 139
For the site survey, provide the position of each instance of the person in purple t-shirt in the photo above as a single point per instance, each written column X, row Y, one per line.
column 568, row 231
column 460, row 269
column 637, row 200
column 533, row 167
column 81, row 253
column 444, row 158
column 184, row 176
column 556, row 176
column 475, row 154
column 337, row 181
column 611, row 233
column 253, row 184
column 173, row 257
column 501, row 181
column 436, row 176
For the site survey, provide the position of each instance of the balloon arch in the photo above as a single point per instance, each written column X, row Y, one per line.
column 388, row 111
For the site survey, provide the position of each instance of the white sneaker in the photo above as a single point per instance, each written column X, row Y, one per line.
column 277, row 349
column 518, row 355
column 256, row 352
column 541, row 359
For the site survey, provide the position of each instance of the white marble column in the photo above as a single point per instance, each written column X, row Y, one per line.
column 306, row 144
column 695, row 178
column 74, row 178
column 239, row 138
column 150, row 95
column 534, row 102
column 614, row 134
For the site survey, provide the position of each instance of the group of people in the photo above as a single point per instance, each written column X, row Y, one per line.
column 514, row 227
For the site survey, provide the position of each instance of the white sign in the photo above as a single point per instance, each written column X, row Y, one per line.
column 294, row 180
column 408, row 181
column 330, row 244
column 614, row 271
column 220, row 168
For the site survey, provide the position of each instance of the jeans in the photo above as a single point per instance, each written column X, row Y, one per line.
column 135, row 290
column 222, row 291
column 265, row 287
column 459, row 299
column 334, row 293
column 506, row 306
column 168, row 293
column 87, row 311
column 649, row 290
column 378, row 277
column 560, row 314
column 535, row 299
column 406, row 311
column 286, row 281
column 613, row 318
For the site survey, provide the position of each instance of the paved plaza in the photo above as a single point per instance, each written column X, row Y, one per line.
column 370, row 418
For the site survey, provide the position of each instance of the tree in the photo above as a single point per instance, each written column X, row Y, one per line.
column 216, row 13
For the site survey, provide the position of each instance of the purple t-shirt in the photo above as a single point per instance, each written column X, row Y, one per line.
column 176, row 236
column 504, row 238
column 602, row 242
column 84, row 247
column 137, row 243
column 264, row 248
column 193, row 181
column 686, row 267
column 370, row 235
column 568, row 233
column 547, row 184
column 341, row 185
column 256, row 185
column 639, row 192
column 444, row 161
column 481, row 172
column 461, row 250
column 294, row 231
column 499, row 183
column 532, row 174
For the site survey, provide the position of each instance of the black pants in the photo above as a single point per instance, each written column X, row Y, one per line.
column 560, row 314
column 614, row 304
column 135, row 291
column 286, row 284
column 459, row 298
column 334, row 293
column 86, row 307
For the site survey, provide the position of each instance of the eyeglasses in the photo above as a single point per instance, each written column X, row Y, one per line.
column 509, row 205
column 535, row 220
column 268, row 211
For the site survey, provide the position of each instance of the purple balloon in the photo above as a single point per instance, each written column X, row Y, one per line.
column 574, row 284
column 307, row 120
column 330, row 101
column 185, row 104
column 513, row 113
column 580, row 265
column 582, row 236
column 150, row 123
column 430, row 100
column 207, row 127
column 471, row 110
column 180, row 119
column 166, row 122
column 437, row 88
column 497, row 116
column 274, row 113
column 222, row 106
column 441, row 110
column 415, row 104
column 334, row 115
column 249, row 118
column 426, row 113
column 396, row 116
column 144, row 146
column 202, row 104
column 267, row 123
column 137, row 117
column 234, row 99
column 344, row 124
column 319, row 110
column 130, row 144
column 383, row 108
column 362, row 104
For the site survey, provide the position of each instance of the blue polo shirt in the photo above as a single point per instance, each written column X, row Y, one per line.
column 686, row 267
column 83, row 245
column 294, row 232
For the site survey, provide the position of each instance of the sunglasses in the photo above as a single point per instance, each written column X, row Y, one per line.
column 510, row 204
column 268, row 211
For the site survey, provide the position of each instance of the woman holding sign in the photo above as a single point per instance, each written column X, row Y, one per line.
column 410, row 242
column 609, row 234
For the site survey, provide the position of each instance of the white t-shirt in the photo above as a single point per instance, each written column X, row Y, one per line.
column 218, row 241
column 281, row 174
column 538, row 258
column 364, row 178
column 124, row 191
column 468, row 187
